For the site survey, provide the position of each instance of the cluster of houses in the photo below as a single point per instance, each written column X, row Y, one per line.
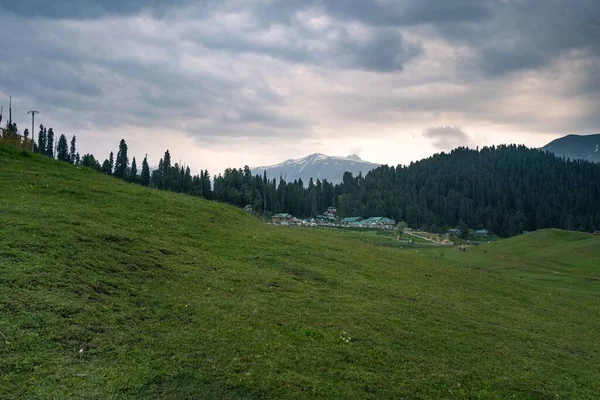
column 372, row 222
column 329, row 218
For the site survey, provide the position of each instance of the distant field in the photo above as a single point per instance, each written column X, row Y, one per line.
column 551, row 257
column 114, row 291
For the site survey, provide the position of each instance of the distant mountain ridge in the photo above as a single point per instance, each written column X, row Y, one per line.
column 316, row 166
column 576, row 147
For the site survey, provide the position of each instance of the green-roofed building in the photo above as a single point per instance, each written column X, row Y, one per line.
column 378, row 222
column 351, row 220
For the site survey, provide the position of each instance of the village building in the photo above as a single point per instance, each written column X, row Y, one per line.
column 326, row 219
column 348, row 221
column 331, row 213
column 283, row 217
column 482, row 233
column 378, row 222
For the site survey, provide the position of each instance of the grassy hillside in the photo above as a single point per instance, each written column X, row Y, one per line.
column 111, row 290
column 549, row 257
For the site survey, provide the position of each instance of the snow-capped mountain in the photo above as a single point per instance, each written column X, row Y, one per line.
column 317, row 166
column 576, row 147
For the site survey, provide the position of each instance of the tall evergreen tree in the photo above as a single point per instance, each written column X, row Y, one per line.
column 206, row 186
column 133, row 172
column 166, row 171
column 265, row 187
column 42, row 140
column 50, row 143
column 72, row 151
column 145, row 177
column 122, row 161
column 26, row 133
column 111, row 163
column 62, row 150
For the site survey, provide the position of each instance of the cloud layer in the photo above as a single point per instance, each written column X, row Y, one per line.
column 242, row 76
column 447, row 137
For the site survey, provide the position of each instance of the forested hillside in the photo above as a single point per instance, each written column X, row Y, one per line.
column 506, row 189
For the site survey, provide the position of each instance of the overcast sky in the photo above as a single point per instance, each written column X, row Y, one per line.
column 234, row 82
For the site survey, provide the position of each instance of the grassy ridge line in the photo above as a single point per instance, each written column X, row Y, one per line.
column 174, row 297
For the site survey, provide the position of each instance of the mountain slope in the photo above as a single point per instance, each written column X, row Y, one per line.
column 112, row 290
column 576, row 147
column 317, row 166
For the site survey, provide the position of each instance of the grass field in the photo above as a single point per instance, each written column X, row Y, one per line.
column 114, row 291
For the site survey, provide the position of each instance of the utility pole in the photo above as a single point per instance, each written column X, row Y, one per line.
column 32, row 112
column 10, row 112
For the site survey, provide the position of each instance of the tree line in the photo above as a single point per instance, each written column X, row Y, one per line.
column 505, row 189
column 46, row 143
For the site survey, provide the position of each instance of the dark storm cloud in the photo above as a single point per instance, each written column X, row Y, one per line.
column 525, row 35
column 227, row 69
column 377, row 49
column 410, row 12
column 86, row 9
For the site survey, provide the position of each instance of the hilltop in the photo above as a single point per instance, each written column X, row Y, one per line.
column 316, row 166
column 576, row 147
column 114, row 290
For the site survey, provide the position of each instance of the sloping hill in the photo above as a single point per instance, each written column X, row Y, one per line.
column 576, row 147
column 111, row 290
column 548, row 257
column 316, row 166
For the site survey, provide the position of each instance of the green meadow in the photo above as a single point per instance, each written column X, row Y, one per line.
column 110, row 290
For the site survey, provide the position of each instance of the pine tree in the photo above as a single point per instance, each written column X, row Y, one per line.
column 206, row 186
column 26, row 133
column 50, row 143
column 265, row 187
column 72, row 151
column 145, row 177
column 42, row 140
column 133, row 173
column 187, row 180
column 122, row 161
column 106, row 167
column 88, row 160
column 166, row 171
column 156, row 178
column 63, row 149
column 111, row 163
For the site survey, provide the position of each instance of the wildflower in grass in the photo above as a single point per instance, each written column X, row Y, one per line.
column 345, row 337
